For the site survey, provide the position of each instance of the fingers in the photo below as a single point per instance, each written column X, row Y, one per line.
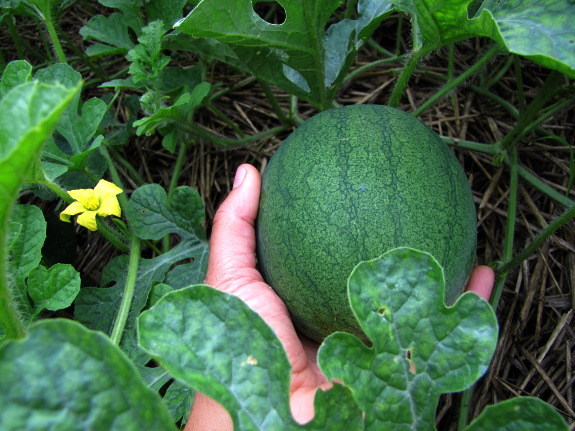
column 481, row 282
column 233, row 241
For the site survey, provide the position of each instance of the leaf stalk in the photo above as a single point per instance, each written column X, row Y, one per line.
column 129, row 289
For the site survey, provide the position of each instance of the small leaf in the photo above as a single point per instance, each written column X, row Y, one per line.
column 54, row 288
column 421, row 348
column 169, row 11
column 17, row 72
column 214, row 343
column 65, row 377
column 26, row 248
column 150, row 217
column 112, row 30
column 178, row 399
column 519, row 414
column 130, row 12
column 177, row 113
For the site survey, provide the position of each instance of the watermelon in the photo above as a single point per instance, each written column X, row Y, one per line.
column 346, row 186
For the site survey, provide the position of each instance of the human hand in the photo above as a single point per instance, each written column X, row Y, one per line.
column 232, row 269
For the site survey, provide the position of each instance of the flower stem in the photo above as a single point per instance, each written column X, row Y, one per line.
column 129, row 289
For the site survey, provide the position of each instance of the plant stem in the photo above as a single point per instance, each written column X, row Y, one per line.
column 129, row 289
column 523, row 173
column 509, row 228
column 56, row 189
column 464, row 409
column 54, row 38
column 545, row 188
column 172, row 186
column 134, row 175
column 316, row 45
column 9, row 317
column 122, row 198
column 363, row 68
column 404, row 78
column 223, row 142
column 117, row 239
column 545, row 93
column 519, row 80
column 274, row 102
column 350, row 9
column 398, row 33
column 539, row 239
column 455, row 82
column 380, row 49
column 501, row 277
column 470, row 145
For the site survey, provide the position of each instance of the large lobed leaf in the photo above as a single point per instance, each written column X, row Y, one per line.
column 541, row 30
column 64, row 377
column 214, row 343
column 299, row 55
column 421, row 348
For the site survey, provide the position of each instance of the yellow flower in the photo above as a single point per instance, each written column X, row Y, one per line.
column 101, row 201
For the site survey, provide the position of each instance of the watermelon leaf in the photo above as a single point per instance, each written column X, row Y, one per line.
column 540, row 30
column 215, row 343
column 298, row 55
column 53, row 288
column 150, row 217
column 421, row 348
column 28, row 115
column 25, row 249
column 66, row 377
column 519, row 414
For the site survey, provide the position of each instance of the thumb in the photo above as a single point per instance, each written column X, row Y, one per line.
column 233, row 241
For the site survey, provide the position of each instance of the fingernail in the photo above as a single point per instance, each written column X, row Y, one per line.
column 240, row 176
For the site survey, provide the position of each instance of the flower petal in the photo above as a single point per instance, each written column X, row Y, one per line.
column 88, row 220
column 105, row 188
column 72, row 209
column 109, row 205
column 81, row 194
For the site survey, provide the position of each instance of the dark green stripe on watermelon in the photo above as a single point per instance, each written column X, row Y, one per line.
column 348, row 185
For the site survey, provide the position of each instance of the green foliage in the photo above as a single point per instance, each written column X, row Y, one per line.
column 150, row 217
column 51, row 288
column 518, row 414
column 420, row 348
column 54, row 138
column 297, row 55
column 198, row 334
column 73, row 379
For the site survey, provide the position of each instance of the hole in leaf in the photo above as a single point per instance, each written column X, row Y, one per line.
column 270, row 11
column 381, row 311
